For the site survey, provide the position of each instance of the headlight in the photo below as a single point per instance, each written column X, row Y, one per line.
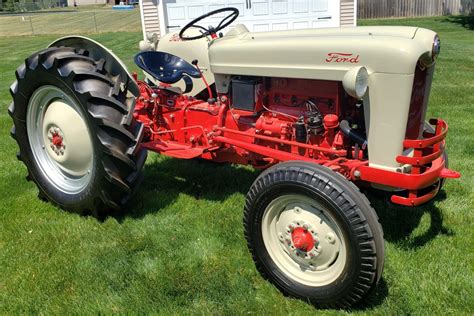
column 355, row 82
column 436, row 47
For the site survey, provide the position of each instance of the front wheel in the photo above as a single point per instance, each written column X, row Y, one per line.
column 313, row 234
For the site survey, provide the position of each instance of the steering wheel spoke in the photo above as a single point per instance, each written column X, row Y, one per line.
column 226, row 21
column 199, row 27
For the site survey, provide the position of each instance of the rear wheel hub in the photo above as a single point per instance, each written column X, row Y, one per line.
column 60, row 139
column 56, row 139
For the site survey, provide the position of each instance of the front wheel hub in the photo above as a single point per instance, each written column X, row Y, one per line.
column 302, row 239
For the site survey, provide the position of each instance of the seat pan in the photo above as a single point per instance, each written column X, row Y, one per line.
column 165, row 67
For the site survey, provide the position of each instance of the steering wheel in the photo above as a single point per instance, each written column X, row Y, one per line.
column 234, row 13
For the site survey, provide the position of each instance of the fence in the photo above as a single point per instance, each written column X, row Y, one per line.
column 372, row 9
column 74, row 22
column 22, row 6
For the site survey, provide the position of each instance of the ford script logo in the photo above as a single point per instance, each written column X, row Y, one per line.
column 342, row 58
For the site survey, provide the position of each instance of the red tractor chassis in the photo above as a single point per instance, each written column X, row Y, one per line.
column 185, row 127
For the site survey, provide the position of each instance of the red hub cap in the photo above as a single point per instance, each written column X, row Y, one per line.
column 302, row 239
column 57, row 140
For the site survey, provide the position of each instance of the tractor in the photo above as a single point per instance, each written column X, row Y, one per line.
column 323, row 112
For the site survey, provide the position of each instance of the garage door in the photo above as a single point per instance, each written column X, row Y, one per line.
column 258, row 15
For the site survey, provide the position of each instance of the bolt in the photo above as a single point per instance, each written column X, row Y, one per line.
column 280, row 235
column 357, row 174
column 43, row 147
column 331, row 238
column 52, row 147
column 297, row 210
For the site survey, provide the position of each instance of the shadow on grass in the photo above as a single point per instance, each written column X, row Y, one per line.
column 375, row 298
column 165, row 180
column 466, row 21
column 399, row 222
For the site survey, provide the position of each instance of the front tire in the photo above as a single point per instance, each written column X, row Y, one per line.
column 74, row 127
column 313, row 234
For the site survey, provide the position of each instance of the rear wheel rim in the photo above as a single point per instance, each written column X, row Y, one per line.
column 60, row 139
column 284, row 220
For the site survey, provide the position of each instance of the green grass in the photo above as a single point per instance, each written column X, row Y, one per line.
column 179, row 248
column 71, row 22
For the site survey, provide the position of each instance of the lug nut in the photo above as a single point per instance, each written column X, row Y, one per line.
column 331, row 238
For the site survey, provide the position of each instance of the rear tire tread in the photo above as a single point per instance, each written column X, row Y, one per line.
column 126, row 159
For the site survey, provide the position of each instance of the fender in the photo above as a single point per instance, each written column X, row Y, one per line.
column 113, row 64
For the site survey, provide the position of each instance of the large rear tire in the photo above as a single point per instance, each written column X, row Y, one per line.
column 313, row 234
column 75, row 130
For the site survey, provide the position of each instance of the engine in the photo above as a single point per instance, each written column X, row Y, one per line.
column 307, row 118
column 305, row 111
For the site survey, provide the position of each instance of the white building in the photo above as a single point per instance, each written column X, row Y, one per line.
column 163, row 16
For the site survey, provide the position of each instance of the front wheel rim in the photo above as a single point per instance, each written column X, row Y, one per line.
column 60, row 139
column 304, row 240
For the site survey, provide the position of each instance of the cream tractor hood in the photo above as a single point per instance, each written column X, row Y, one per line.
column 321, row 53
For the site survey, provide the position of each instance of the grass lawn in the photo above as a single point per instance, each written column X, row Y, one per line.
column 179, row 248
column 71, row 21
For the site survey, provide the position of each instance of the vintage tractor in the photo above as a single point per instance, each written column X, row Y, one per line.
column 322, row 111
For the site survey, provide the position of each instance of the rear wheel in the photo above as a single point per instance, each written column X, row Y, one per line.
column 313, row 234
column 74, row 126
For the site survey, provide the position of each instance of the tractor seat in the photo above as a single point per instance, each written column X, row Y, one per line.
column 167, row 68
